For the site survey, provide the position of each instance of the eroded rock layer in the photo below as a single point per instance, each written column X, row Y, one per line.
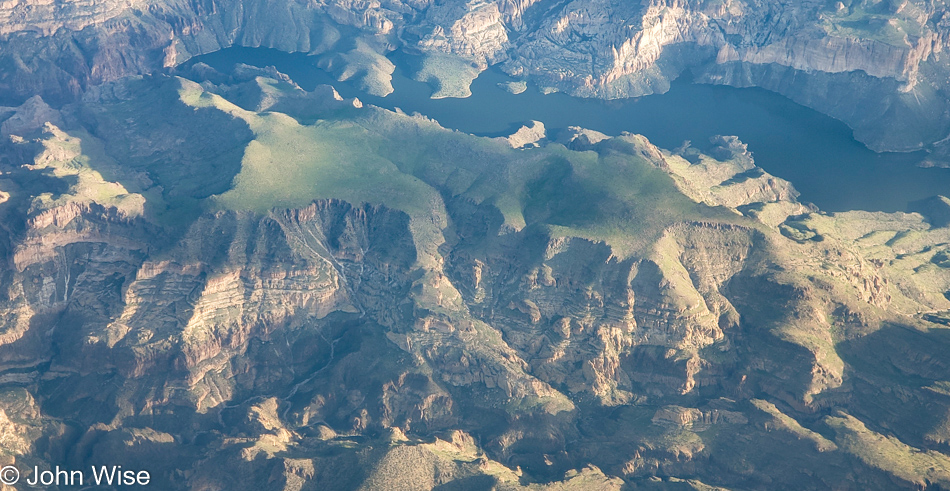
column 878, row 66
column 263, row 287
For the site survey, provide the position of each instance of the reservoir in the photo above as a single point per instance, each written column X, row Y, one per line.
column 817, row 153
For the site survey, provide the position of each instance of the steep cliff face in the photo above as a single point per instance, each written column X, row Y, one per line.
column 263, row 285
column 622, row 39
column 861, row 62
column 888, row 58
column 57, row 49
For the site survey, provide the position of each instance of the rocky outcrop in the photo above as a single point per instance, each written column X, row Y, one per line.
column 887, row 58
column 683, row 416
column 527, row 136
column 590, row 313
column 474, row 31
column 751, row 32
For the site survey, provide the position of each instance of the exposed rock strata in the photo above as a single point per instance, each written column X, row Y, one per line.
column 592, row 313
column 890, row 58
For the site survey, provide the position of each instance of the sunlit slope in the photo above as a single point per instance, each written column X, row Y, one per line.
column 287, row 287
column 410, row 163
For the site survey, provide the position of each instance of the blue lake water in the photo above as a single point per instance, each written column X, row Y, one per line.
column 818, row 154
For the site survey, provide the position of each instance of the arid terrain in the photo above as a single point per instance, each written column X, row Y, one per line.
column 236, row 283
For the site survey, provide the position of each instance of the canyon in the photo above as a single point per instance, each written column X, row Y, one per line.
column 233, row 282
column 878, row 66
column 262, row 286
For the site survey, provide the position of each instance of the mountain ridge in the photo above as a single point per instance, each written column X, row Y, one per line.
column 863, row 63
column 585, row 311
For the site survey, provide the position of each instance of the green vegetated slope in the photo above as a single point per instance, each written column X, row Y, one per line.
column 407, row 162
column 270, row 287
